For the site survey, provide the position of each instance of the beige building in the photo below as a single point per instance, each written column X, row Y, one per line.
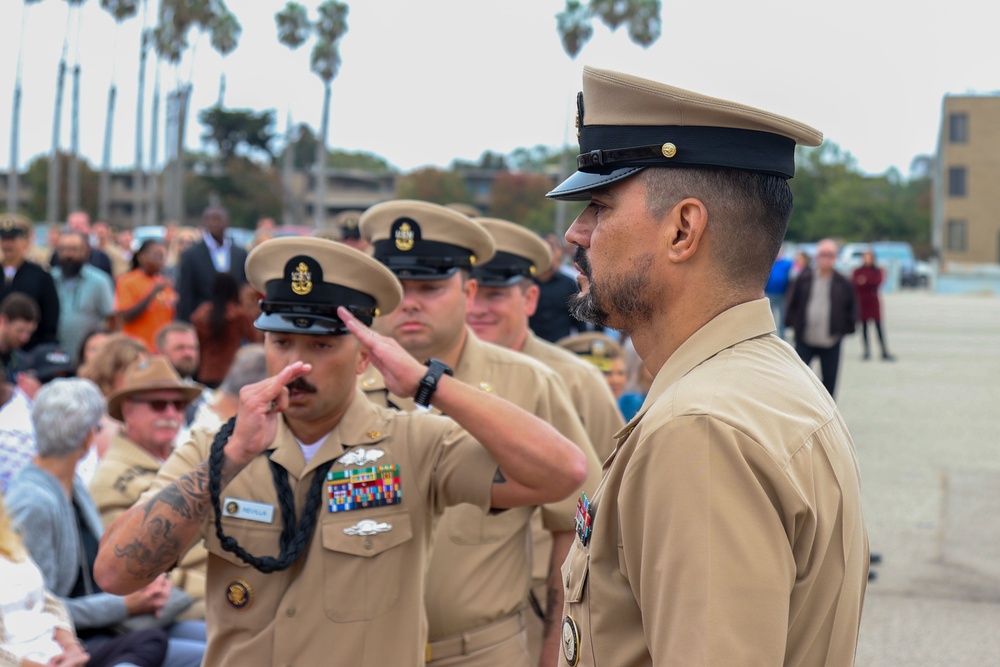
column 966, row 216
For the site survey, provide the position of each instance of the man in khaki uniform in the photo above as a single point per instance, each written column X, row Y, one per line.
column 480, row 571
column 727, row 529
column 317, row 506
column 506, row 296
column 151, row 406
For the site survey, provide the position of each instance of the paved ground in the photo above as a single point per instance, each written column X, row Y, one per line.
column 927, row 430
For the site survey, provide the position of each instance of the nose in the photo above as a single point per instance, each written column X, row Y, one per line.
column 579, row 232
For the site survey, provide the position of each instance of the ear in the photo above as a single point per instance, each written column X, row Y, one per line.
column 531, row 299
column 685, row 227
column 363, row 359
column 470, row 287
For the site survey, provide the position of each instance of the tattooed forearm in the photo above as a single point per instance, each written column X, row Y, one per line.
column 187, row 497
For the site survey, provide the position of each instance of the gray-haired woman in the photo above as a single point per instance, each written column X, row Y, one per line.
column 61, row 528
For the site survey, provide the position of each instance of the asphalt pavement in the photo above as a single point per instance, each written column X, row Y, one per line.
column 927, row 432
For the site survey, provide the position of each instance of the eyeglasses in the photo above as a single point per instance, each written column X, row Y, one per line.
column 160, row 404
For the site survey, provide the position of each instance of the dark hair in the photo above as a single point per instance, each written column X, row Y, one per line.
column 143, row 248
column 225, row 290
column 19, row 306
column 748, row 213
column 86, row 339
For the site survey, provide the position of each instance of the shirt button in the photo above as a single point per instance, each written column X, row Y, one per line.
column 290, row 612
column 368, row 544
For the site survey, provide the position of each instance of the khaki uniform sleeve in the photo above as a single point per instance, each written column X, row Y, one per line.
column 462, row 469
column 704, row 545
column 556, row 408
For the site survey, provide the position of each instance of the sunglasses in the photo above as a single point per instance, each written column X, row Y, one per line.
column 160, row 404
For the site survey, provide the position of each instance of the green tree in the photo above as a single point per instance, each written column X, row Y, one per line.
column 520, row 197
column 238, row 132
column 247, row 189
column 433, row 185
column 325, row 63
column 294, row 29
column 36, row 178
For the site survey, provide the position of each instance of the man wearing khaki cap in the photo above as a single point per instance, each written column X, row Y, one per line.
column 480, row 571
column 727, row 529
column 316, row 506
column 506, row 296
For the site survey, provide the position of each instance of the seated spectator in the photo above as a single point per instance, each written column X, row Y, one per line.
column 18, row 320
column 107, row 371
column 17, row 433
column 223, row 326
column 61, row 530
column 91, row 343
column 150, row 406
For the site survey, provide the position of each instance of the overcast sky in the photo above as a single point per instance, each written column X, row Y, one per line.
column 425, row 82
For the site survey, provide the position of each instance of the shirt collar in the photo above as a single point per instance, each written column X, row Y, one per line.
column 213, row 245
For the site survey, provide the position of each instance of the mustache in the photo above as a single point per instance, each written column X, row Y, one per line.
column 167, row 423
column 301, row 384
column 580, row 257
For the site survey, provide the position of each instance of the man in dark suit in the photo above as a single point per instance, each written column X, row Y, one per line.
column 215, row 253
column 22, row 275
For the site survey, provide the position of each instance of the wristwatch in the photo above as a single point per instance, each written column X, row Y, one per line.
column 428, row 385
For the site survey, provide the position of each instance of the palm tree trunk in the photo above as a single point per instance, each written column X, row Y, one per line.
column 138, row 182
column 151, row 212
column 105, row 189
column 184, row 96
column 13, row 175
column 74, row 144
column 286, row 175
column 52, row 204
column 319, row 211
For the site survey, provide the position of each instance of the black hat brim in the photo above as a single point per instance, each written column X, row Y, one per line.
column 578, row 186
column 309, row 325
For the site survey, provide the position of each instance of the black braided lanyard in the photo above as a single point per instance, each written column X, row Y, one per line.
column 295, row 533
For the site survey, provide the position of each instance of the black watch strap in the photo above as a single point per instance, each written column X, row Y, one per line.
column 428, row 385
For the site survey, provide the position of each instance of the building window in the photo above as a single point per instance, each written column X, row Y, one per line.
column 956, row 235
column 958, row 128
column 956, row 181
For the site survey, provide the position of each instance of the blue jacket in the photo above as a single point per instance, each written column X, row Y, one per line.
column 45, row 519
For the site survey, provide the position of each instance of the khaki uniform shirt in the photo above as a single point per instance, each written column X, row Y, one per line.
column 598, row 410
column 125, row 473
column 728, row 527
column 481, row 567
column 352, row 599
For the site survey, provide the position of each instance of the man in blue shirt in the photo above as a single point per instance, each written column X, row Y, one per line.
column 86, row 293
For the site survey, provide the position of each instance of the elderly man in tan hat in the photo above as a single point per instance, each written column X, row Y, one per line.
column 506, row 296
column 480, row 572
column 728, row 528
column 151, row 406
column 317, row 507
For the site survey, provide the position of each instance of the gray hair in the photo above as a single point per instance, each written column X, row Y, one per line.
column 65, row 411
column 249, row 366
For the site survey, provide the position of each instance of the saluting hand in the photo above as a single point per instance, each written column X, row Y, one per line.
column 401, row 372
column 257, row 414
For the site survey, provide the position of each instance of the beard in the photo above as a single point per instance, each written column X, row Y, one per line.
column 71, row 267
column 621, row 302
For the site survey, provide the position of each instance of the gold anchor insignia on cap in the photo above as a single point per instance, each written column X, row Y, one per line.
column 668, row 150
column 367, row 383
column 486, row 386
column 404, row 237
column 598, row 348
column 302, row 279
column 239, row 594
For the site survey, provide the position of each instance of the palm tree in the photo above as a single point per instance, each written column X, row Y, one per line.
column 120, row 10
column 15, row 125
column 325, row 63
column 225, row 36
column 138, row 177
column 294, row 29
column 53, row 181
column 74, row 137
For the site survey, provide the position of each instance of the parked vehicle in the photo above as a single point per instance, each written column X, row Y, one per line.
column 890, row 255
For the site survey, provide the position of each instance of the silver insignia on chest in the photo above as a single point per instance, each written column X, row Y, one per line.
column 368, row 527
column 360, row 457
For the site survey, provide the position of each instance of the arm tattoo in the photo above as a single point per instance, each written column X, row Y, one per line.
column 553, row 605
column 157, row 545
column 499, row 478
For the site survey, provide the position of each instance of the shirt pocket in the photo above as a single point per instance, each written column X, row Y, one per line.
column 469, row 525
column 240, row 595
column 361, row 572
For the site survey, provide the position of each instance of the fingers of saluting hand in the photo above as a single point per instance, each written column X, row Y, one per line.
column 270, row 395
column 364, row 334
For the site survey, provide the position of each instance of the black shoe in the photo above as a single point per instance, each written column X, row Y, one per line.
column 874, row 558
column 888, row 357
column 866, row 357
column 872, row 575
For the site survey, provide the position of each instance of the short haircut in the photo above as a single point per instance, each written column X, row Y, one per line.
column 64, row 412
column 748, row 214
column 19, row 306
column 249, row 366
column 80, row 235
column 177, row 326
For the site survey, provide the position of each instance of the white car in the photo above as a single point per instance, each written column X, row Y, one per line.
column 888, row 254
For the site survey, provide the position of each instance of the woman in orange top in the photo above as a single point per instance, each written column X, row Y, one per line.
column 144, row 299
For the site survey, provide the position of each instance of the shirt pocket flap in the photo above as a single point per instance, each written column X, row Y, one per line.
column 366, row 537
column 256, row 539
column 575, row 571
